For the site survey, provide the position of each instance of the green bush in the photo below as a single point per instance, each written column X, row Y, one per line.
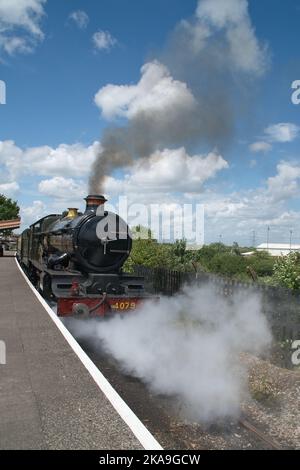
column 262, row 263
column 287, row 271
column 227, row 264
column 207, row 252
column 152, row 254
column 216, row 258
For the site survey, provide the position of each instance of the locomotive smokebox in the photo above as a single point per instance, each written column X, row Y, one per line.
column 93, row 202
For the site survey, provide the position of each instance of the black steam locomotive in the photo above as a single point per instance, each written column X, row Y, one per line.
column 76, row 260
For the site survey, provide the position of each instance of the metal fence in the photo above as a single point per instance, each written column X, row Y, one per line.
column 281, row 306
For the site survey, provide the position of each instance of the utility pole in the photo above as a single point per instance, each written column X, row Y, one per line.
column 268, row 236
column 291, row 234
column 253, row 238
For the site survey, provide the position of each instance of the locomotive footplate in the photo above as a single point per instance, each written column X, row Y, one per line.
column 96, row 294
column 98, row 306
column 65, row 284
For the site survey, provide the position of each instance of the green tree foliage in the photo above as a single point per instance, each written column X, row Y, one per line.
column 227, row 264
column 149, row 253
column 179, row 250
column 262, row 263
column 287, row 271
column 9, row 209
column 235, row 249
column 227, row 260
column 207, row 252
column 140, row 232
column 215, row 258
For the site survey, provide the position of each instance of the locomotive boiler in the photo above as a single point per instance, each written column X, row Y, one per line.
column 76, row 259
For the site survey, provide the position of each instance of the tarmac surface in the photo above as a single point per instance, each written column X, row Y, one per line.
column 48, row 399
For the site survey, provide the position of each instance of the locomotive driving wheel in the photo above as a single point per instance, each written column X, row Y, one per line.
column 46, row 287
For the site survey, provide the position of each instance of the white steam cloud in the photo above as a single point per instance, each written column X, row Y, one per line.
column 188, row 346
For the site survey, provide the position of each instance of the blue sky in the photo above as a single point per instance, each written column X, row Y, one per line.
column 56, row 56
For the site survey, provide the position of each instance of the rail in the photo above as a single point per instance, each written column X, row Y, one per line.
column 260, row 434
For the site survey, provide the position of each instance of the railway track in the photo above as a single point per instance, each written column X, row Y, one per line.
column 245, row 423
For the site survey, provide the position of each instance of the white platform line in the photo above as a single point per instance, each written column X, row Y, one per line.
column 137, row 427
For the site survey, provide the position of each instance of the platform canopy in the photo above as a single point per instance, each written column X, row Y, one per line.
column 10, row 224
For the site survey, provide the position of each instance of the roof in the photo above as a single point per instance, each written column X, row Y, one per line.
column 10, row 224
column 278, row 246
column 248, row 253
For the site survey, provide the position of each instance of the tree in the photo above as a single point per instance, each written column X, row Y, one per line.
column 287, row 271
column 9, row 210
column 235, row 249
column 149, row 253
column 227, row 264
column 207, row 252
column 141, row 233
column 262, row 263
column 179, row 249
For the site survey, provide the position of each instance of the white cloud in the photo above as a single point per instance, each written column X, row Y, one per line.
column 260, row 146
column 286, row 184
column 63, row 188
column 162, row 111
column 80, row 17
column 103, row 40
column 9, row 189
column 169, row 171
column 156, row 92
column 224, row 208
column 233, row 215
column 20, row 25
column 15, row 45
column 70, row 160
column 173, row 177
column 230, row 17
column 220, row 13
column 282, row 132
column 238, row 214
column 30, row 214
column 175, row 170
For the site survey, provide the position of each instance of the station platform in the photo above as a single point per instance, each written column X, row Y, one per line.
column 48, row 397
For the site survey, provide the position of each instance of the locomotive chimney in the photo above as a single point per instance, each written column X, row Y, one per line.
column 93, row 202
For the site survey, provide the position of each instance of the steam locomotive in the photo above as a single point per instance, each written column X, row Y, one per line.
column 76, row 259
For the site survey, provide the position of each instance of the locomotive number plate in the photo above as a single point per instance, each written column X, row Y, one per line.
column 126, row 305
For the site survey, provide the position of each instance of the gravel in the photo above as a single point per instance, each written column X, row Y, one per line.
column 274, row 401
